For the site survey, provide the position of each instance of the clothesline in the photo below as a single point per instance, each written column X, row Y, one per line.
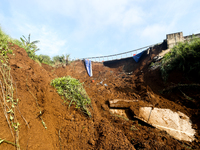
column 115, row 55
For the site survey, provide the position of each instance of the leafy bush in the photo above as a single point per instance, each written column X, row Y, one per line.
column 71, row 89
column 184, row 57
column 61, row 60
column 4, row 45
column 45, row 59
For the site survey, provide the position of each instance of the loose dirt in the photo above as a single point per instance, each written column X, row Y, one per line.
column 69, row 128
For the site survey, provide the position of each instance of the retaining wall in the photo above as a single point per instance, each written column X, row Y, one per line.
column 174, row 38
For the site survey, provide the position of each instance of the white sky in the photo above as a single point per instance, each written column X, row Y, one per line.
column 87, row 28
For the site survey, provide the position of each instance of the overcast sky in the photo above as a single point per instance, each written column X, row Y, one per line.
column 86, row 28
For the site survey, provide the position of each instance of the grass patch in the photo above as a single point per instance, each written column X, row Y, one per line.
column 71, row 89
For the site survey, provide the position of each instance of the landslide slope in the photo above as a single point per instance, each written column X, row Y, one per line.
column 66, row 128
column 70, row 128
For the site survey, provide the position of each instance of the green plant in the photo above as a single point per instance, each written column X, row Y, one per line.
column 71, row 89
column 45, row 59
column 2, row 140
column 29, row 46
column 38, row 61
column 152, row 64
column 17, row 42
column 8, row 101
column 133, row 128
column 61, row 60
column 31, row 49
column 67, row 59
column 184, row 57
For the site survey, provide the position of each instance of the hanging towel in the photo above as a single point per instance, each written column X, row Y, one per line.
column 137, row 57
column 88, row 66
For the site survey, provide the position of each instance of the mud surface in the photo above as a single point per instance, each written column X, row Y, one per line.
column 70, row 129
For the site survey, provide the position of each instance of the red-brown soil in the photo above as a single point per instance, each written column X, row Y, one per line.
column 70, row 129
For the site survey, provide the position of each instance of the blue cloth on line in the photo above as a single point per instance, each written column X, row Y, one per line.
column 88, row 65
column 137, row 57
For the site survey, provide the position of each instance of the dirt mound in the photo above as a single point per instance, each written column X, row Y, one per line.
column 69, row 128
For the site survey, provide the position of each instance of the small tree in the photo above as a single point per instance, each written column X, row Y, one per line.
column 67, row 59
column 29, row 46
column 61, row 60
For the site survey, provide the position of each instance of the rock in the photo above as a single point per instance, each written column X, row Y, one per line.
column 120, row 112
column 176, row 124
column 104, row 107
column 161, row 55
column 121, row 103
column 91, row 142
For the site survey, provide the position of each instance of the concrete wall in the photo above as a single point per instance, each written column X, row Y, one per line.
column 174, row 38
column 188, row 37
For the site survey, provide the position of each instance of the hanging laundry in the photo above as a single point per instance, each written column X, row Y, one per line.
column 137, row 57
column 88, row 66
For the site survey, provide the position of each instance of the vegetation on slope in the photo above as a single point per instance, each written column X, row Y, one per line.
column 31, row 49
column 71, row 89
column 8, row 99
column 184, row 57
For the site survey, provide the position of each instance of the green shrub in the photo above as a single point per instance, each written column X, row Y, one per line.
column 45, row 59
column 4, row 45
column 184, row 57
column 71, row 89
column 61, row 60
